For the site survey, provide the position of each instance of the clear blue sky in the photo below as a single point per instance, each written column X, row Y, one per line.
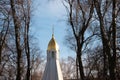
column 47, row 13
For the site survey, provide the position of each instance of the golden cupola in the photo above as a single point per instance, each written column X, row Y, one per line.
column 53, row 44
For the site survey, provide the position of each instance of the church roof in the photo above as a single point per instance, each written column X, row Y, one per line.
column 53, row 44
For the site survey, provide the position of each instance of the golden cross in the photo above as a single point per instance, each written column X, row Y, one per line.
column 53, row 30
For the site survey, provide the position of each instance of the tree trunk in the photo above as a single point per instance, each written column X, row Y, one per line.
column 28, row 56
column 81, row 70
column 17, row 39
column 104, row 65
column 0, row 54
column 27, row 47
column 113, row 58
column 77, row 68
column 81, row 67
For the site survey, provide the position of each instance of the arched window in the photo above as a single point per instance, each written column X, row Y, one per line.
column 53, row 54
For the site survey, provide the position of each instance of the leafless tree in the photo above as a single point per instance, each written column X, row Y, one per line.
column 15, row 40
column 68, row 68
column 5, row 19
column 21, row 18
column 94, row 63
column 107, row 12
column 79, row 16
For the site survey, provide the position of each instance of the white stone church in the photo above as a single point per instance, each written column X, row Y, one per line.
column 52, row 70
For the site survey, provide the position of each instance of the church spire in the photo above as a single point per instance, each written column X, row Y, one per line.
column 52, row 70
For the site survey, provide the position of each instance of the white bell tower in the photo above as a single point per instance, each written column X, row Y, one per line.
column 52, row 70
